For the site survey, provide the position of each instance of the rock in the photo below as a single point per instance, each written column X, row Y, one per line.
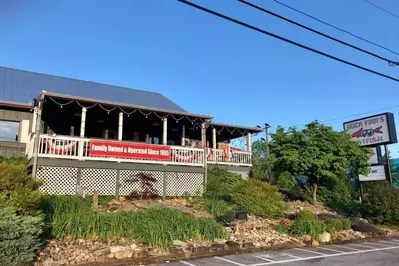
column 315, row 243
column 362, row 225
column 140, row 254
column 116, row 249
column 323, row 216
column 123, row 254
column 220, row 240
column 110, row 255
column 257, row 244
column 217, row 246
column 233, row 245
column 133, row 246
column 179, row 243
column 50, row 262
column 101, row 252
column 248, row 245
column 177, row 251
column 307, row 238
column 342, row 235
column 324, row 237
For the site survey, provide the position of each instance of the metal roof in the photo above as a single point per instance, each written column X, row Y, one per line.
column 116, row 104
column 22, row 86
column 251, row 129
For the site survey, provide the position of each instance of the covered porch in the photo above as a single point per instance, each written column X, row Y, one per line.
column 84, row 129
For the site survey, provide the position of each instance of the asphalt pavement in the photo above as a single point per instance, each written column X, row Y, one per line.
column 383, row 252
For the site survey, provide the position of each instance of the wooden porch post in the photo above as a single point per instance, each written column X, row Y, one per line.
column 249, row 142
column 120, row 126
column 165, row 131
column 82, row 132
column 83, row 122
column 183, row 135
column 214, row 138
column 36, row 145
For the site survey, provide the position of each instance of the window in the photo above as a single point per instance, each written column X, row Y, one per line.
column 9, row 130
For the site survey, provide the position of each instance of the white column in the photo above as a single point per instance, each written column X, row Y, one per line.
column 203, row 135
column 82, row 133
column 34, row 118
column 83, row 122
column 183, row 135
column 165, row 131
column 214, row 138
column 120, row 126
column 249, row 142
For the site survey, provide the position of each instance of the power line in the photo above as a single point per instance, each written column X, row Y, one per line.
column 349, row 116
column 390, row 62
column 381, row 8
column 335, row 27
column 286, row 40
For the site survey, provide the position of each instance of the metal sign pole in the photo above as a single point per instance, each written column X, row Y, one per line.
column 388, row 165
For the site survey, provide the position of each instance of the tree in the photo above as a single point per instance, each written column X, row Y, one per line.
column 318, row 153
column 259, row 160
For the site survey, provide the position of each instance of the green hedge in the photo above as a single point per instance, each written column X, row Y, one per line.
column 20, row 237
column 259, row 198
column 305, row 215
column 337, row 224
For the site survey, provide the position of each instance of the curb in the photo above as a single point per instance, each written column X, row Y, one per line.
column 200, row 255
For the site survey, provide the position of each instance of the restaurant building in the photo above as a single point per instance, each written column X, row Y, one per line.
column 82, row 136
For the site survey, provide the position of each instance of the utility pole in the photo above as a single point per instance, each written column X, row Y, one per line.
column 269, row 172
column 388, row 163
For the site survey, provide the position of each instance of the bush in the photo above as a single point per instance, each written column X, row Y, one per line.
column 337, row 224
column 18, row 188
column 20, row 237
column 259, row 198
column 73, row 217
column 218, row 208
column 307, row 215
column 286, row 180
column 336, row 194
column 307, row 227
column 381, row 204
column 220, row 184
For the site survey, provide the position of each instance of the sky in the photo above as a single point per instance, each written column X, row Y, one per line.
column 209, row 65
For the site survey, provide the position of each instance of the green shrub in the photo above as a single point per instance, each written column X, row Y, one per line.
column 218, row 208
column 220, row 184
column 381, row 204
column 307, row 227
column 19, row 189
column 259, row 198
column 20, row 237
column 306, row 215
column 286, row 180
column 336, row 194
column 337, row 224
column 73, row 217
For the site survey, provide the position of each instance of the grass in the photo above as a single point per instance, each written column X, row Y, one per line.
column 72, row 217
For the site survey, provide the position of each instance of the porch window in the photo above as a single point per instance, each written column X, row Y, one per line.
column 9, row 130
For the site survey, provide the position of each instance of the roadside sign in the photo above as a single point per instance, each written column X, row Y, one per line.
column 376, row 173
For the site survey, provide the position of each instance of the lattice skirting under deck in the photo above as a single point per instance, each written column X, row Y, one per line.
column 64, row 181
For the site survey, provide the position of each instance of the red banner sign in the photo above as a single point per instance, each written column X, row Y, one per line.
column 100, row 148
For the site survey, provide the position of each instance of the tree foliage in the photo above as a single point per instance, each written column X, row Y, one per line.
column 20, row 237
column 260, row 161
column 318, row 153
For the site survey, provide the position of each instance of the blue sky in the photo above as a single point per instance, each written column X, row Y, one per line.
column 208, row 65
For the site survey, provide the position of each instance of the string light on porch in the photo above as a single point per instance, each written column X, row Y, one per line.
column 128, row 113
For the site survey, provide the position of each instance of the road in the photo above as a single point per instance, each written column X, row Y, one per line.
column 383, row 252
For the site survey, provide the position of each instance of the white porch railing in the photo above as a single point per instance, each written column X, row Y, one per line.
column 229, row 157
column 79, row 149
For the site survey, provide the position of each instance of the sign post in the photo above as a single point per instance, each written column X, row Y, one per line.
column 373, row 132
